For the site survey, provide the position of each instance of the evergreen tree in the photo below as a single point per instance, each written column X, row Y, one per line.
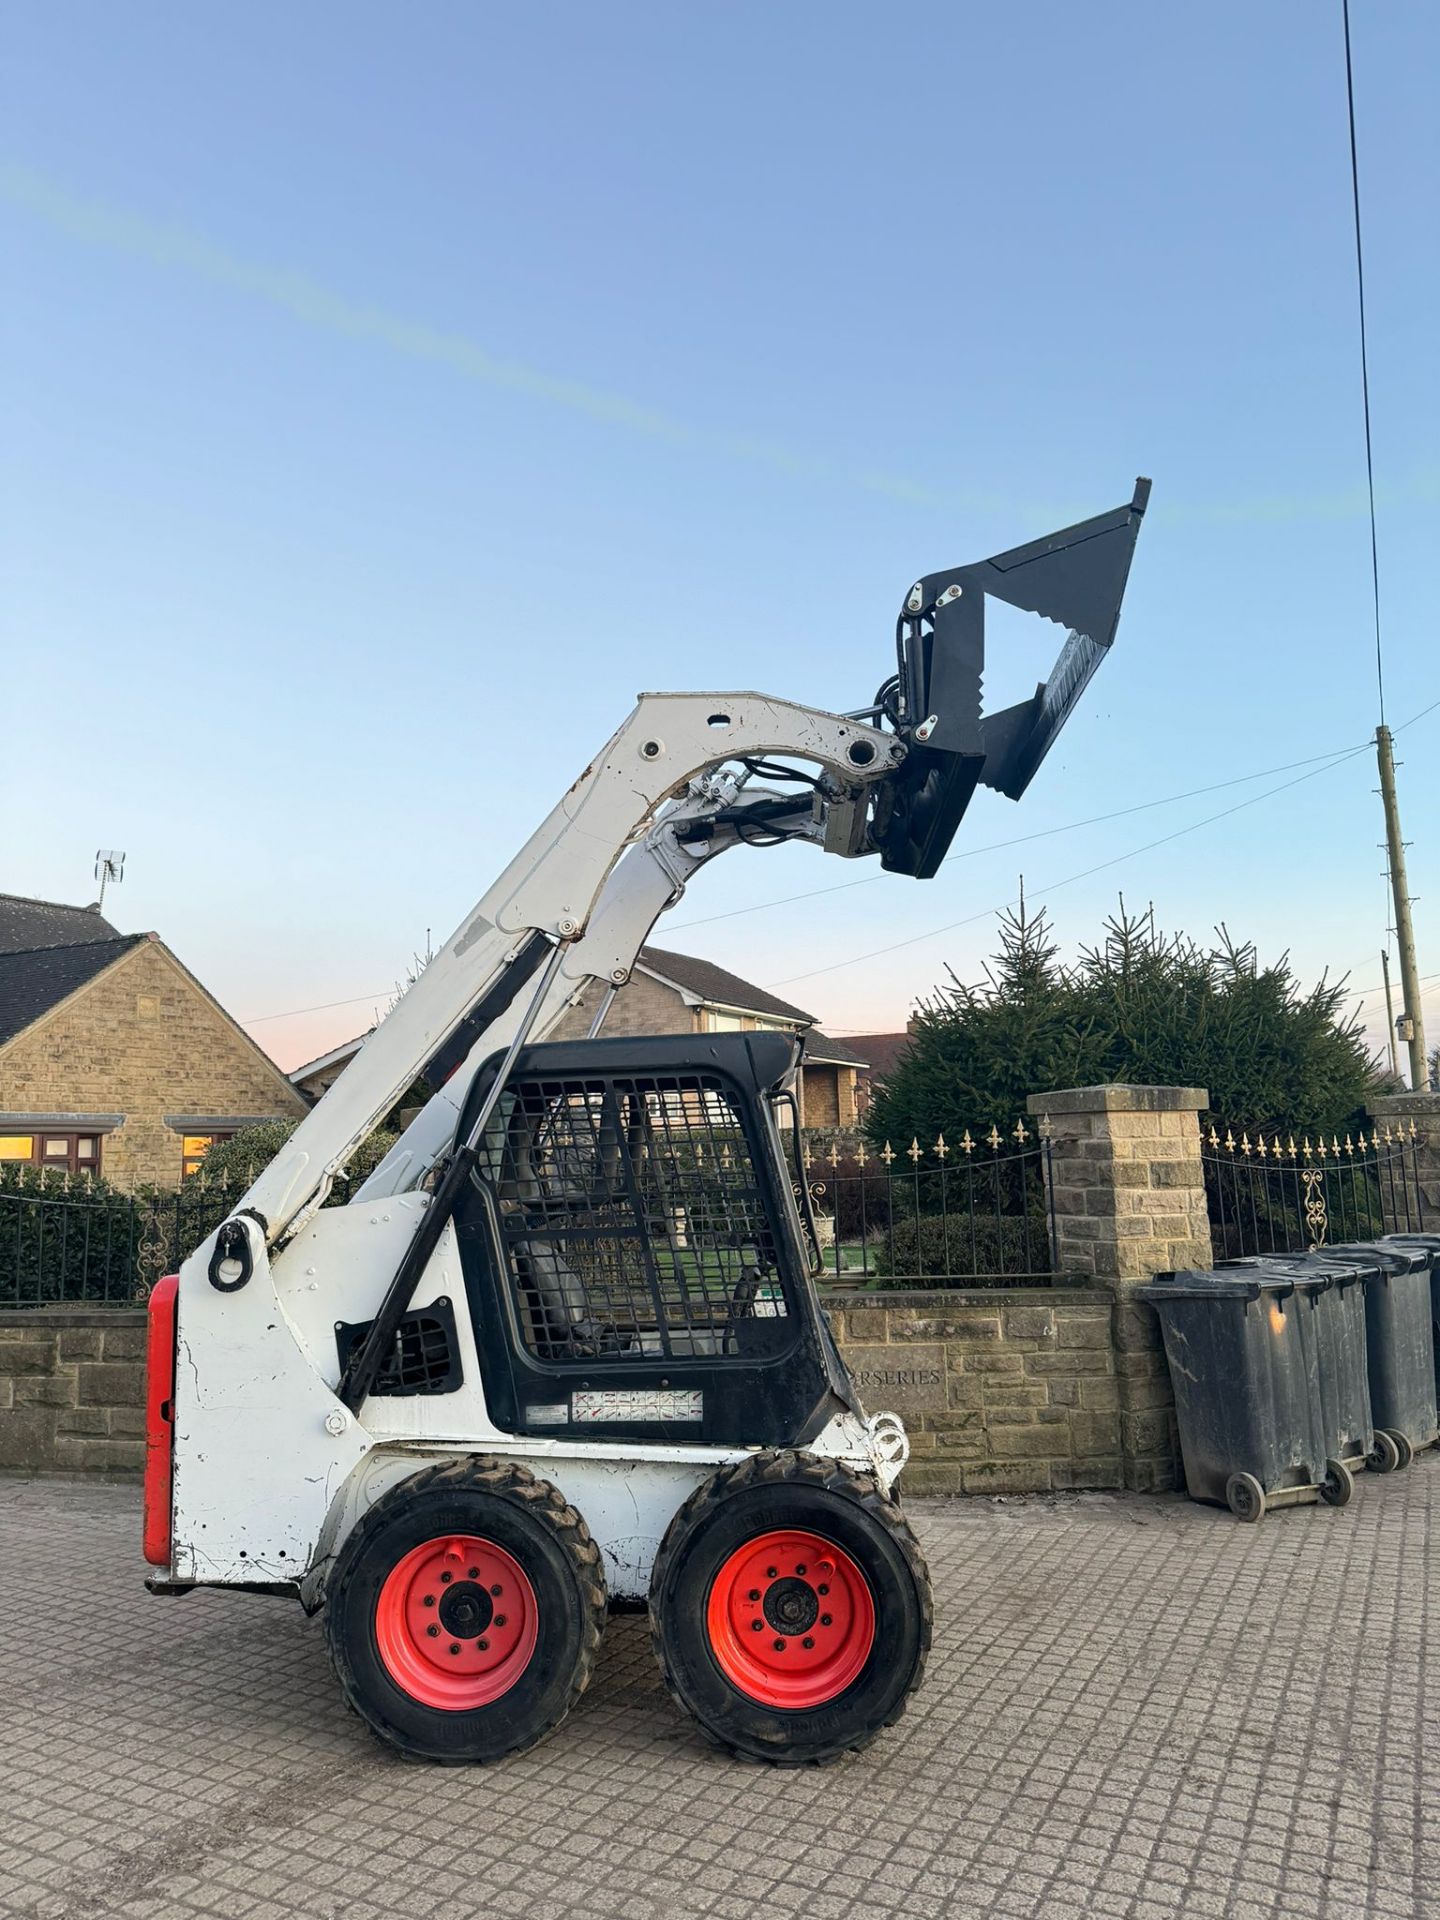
column 1141, row 1006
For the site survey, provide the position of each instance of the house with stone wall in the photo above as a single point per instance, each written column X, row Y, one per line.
column 114, row 1059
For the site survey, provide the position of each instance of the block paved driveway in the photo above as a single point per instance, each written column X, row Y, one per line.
column 1135, row 1707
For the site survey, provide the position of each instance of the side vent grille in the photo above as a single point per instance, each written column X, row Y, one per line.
column 424, row 1357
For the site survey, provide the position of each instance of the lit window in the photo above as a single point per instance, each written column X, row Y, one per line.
column 60, row 1152
column 194, row 1147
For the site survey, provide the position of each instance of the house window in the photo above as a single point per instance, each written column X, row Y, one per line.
column 63, row 1152
column 195, row 1146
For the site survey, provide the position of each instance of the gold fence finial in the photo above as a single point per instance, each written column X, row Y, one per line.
column 915, row 1150
column 1021, row 1135
column 940, row 1147
column 967, row 1145
column 992, row 1139
column 887, row 1153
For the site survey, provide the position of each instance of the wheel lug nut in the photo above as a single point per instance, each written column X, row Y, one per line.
column 484, row 1646
column 822, row 1591
column 446, row 1577
column 799, row 1571
column 757, row 1626
column 754, row 1593
column 454, row 1646
column 474, row 1573
column 499, row 1619
column 779, row 1646
column 825, row 1620
column 429, row 1599
column 807, row 1641
column 495, row 1590
column 434, row 1632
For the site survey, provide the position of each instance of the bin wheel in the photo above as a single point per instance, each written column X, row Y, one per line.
column 1404, row 1445
column 1338, row 1485
column 465, row 1612
column 1245, row 1497
column 790, row 1609
column 1384, row 1456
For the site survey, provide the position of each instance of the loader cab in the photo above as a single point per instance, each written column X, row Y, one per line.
column 632, row 1252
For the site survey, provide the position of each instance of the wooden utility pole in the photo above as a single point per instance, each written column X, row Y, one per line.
column 1412, row 1030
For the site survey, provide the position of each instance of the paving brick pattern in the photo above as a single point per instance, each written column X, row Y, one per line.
column 1136, row 1708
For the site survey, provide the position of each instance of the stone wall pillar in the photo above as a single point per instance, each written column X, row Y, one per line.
column 1129, row 1197
column 1401, row 1110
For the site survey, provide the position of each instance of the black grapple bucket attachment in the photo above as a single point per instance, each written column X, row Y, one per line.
column 1076, row 578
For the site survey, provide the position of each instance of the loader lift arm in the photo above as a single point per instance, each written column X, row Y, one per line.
column 681, row 781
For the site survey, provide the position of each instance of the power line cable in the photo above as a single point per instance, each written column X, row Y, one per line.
column 1364, row 359
column 1336, row 757
column 1020, row 840
column 1054, row 886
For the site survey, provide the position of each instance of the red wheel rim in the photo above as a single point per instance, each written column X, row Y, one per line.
column 456, row 1622
column 791, row 1619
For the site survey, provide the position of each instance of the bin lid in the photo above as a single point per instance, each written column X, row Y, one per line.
column 1313, row 1268
column 1296, row 1269
column 1429, row 1241
column 1376, row 1256
column 1237, row 1280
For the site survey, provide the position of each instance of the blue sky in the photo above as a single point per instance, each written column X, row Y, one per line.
column 392, row 393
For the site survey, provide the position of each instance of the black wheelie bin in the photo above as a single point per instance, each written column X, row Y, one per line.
column 1399, row 1337
column 1330, row 1307
column 1247, row 1392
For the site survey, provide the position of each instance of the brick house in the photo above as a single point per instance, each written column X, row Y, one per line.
column 113, row 1057
column 675, row 993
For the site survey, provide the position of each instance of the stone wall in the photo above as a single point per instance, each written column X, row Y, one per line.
column 1007, row 1391
column 72, row 1390
column 1002, row 1392
column 143, row 1040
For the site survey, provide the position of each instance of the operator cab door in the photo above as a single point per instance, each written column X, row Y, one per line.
column 630, row 1250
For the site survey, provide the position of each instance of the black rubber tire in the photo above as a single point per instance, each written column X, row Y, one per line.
column 1404, row 1445
column 1384, row 1456
column 767, row 1492
column 1245, row 1498
column 1338, row 1486
column 531, row 1519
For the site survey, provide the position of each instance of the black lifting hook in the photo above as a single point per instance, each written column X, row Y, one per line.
column 232, row 1248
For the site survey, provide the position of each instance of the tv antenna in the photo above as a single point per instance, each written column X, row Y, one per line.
column 109, row 865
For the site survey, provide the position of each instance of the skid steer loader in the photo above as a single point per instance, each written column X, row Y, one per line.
column 562, row 1351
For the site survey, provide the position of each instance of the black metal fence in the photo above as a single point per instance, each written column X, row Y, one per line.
column 1271, row 1196
column 976, row 1213
column 68, row 1238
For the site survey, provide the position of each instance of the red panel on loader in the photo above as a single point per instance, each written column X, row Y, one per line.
column 159, row 1418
